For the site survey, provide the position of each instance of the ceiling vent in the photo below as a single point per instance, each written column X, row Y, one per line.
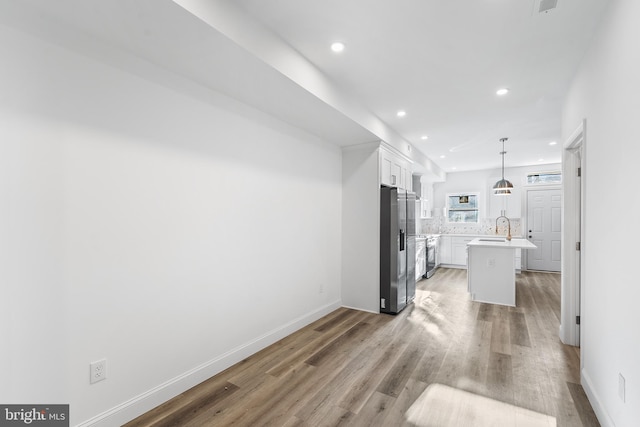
column 546, row 5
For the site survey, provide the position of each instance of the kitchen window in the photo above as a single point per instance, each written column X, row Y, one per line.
column 544, row 178
column 463, row 208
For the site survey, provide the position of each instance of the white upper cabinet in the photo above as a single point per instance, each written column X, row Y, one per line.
column 424, row 190
column 425, row 209
column 394, row 170
column 388, row 176
column 426, row 198
column 405, row 176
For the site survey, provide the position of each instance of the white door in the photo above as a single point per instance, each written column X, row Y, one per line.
column 543, row 222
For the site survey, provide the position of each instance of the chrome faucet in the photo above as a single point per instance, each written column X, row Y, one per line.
column 508, row 224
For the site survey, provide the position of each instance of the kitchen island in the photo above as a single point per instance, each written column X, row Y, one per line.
column 491, row 269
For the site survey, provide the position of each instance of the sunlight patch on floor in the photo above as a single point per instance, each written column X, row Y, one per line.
column 444, row 406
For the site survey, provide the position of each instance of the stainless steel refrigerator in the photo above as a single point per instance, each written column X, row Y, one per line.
column 397, row 249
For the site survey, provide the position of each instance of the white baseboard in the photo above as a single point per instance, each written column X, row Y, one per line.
column 361, row 309
column 148, row 400
column 596, row 403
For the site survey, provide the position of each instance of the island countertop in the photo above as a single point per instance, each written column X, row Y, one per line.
column 501, row 242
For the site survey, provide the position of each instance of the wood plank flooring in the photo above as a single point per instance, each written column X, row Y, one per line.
column 354, row 368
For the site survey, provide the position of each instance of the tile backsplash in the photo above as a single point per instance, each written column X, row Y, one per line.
column 437, row 225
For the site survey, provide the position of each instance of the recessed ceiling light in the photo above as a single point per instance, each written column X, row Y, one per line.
column 401, row 113
column 541, row 160
column 337, row 46
column 424, row 137
column 552, row 143
column 502, row 91
column 443, row 156
column 454, row 168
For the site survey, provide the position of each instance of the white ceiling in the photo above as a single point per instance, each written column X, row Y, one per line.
column 147, row 36
column 440, row 61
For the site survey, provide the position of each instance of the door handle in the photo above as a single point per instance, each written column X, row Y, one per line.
column 401, row 240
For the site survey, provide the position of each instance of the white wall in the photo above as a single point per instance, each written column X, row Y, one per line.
column 361, row 228
column 604, row 92
column 170, row 235
column 482, row 181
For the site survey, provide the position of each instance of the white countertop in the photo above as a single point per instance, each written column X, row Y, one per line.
column 488, row 236
column 501, row 242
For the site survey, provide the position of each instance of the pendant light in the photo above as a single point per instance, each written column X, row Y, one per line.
column 502, row 187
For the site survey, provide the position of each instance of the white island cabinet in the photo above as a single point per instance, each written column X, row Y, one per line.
column 491, row 269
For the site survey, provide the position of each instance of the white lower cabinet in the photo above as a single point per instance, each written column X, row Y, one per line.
column 445, row 250
column 453, row 251
column 421, row 257
column 459, row 250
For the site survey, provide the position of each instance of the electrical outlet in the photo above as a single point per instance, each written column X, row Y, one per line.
column 98, row 371
column 321, row 287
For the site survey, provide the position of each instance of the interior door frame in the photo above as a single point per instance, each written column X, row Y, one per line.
column 573, row 230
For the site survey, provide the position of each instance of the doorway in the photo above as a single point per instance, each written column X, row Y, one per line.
column 573, row 236
column 544, row 219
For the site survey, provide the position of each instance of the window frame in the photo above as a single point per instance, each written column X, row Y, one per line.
column 461, row 194
column 549, row 172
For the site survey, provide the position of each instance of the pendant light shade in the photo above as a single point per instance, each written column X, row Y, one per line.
column 502, row 187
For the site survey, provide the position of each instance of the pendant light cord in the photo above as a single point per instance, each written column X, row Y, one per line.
column 502, row 153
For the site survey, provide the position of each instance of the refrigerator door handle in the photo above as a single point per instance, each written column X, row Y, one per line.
column 402, row 240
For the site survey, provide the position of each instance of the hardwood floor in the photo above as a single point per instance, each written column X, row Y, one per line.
column 362, row 369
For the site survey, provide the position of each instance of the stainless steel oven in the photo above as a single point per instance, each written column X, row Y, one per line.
column 432, row 255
